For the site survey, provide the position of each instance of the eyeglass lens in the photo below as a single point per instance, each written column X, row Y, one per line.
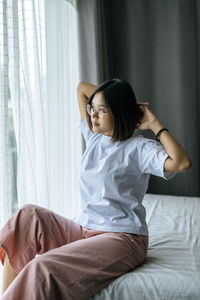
column 99, row 111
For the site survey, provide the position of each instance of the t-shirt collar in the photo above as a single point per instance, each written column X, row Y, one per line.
column 106, row 139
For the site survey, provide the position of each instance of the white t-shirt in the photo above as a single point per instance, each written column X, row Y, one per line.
column 113, row 180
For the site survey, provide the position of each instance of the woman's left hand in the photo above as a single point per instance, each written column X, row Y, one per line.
column 177, row 160
column 148, row 118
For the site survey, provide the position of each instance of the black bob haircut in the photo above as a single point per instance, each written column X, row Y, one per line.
column 120, row 99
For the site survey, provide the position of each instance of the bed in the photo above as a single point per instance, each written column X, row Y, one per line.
column 172, row 268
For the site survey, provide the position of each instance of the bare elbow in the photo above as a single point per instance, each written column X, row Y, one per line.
column 78, row 86
column 186, row 165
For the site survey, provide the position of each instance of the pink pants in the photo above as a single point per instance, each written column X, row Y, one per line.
column 73, row 262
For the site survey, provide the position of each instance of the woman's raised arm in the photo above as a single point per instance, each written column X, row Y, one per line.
column 84, row 90
column 178, row 160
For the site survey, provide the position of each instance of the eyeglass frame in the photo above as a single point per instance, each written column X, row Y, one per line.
column 96, row 111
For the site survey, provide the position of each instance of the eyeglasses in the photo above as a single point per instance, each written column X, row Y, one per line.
column 100, row 112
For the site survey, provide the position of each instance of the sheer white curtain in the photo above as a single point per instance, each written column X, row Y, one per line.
column 39, row 49
column 64, row 118
column 43, row 80
column 5, row 162
column 39, row 62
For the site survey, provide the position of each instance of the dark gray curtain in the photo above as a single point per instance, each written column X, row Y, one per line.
column 154, row 45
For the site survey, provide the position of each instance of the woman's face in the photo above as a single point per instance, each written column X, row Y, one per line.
column 105, row 125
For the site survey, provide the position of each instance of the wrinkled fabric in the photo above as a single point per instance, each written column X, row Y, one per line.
column 58, row 259
column 172, row 268
column 114, row 178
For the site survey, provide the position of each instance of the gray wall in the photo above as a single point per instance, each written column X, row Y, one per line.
column 153, row 44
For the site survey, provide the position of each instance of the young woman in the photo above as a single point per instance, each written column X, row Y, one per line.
column 78, row 258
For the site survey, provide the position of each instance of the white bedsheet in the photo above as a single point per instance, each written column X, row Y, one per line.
column 172, row 268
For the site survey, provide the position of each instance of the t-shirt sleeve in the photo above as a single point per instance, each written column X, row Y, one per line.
column 87, row 133
column 152, row 156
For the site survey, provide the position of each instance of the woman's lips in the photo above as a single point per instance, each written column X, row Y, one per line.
column 95, row 124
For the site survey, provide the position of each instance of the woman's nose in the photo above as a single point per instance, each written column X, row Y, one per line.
column 94, row 114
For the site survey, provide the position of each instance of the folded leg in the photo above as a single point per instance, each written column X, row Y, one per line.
column 79, row 269
column 34, row 230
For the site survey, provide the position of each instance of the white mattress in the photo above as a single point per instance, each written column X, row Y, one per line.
column 172, row 268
